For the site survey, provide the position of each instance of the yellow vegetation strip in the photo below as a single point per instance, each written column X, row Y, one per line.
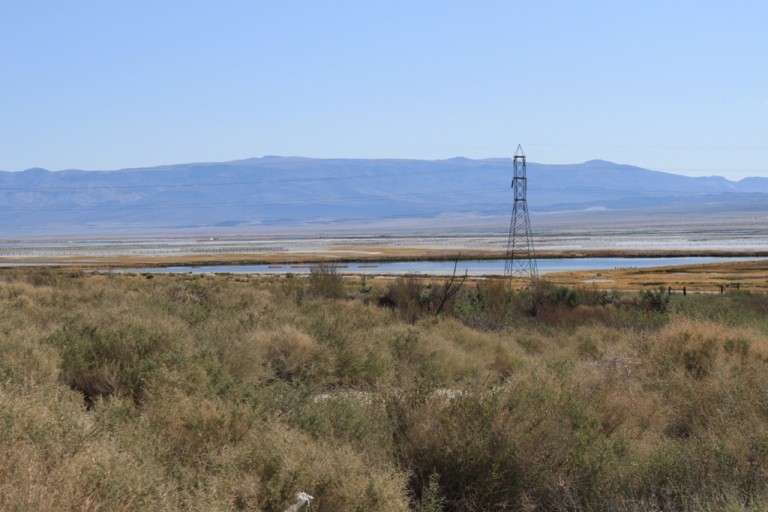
column 746, row 275
column 701, row 278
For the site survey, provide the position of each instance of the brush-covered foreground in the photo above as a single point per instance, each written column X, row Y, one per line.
column 129, row 392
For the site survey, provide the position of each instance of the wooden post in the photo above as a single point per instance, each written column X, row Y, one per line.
column 684, row 291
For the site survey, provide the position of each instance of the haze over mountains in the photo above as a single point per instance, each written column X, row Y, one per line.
column 276, row 194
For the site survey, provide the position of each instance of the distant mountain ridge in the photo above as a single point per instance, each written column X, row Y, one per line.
column 276, row 192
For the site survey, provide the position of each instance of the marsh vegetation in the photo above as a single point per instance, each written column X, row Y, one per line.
column 232, row 392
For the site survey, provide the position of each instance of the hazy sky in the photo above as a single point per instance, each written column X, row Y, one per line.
column 679, row 86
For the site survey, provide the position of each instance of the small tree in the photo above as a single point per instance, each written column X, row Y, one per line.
column 449, row 288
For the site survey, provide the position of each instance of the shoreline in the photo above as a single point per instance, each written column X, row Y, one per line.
column 343, row 256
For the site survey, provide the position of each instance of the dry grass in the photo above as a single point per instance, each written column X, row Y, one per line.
column 705, row 278
column 123, row 392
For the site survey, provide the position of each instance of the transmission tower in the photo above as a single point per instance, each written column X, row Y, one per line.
column 521, row 260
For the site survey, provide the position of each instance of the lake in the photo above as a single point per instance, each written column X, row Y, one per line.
column 472, row 267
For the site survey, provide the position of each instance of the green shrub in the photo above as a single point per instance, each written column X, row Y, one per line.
column 432, row 499
column 118, row 360
column 325, row 281
column 550, row 295
column 487, row 306
column 656, row 300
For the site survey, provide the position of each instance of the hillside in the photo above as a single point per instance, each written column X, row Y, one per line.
column 272, row 193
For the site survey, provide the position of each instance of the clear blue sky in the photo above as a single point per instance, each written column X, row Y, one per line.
column 680, row 86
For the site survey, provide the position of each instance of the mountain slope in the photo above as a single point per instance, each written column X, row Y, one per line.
column 277, row 191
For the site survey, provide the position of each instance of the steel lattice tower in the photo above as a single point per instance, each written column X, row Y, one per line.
column 521, row 260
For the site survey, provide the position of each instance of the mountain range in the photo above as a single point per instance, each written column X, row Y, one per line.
column 281, row 194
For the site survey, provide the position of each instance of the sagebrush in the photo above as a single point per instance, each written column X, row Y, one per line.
column 119, row 392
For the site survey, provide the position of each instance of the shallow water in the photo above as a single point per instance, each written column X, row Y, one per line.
column 472, row 267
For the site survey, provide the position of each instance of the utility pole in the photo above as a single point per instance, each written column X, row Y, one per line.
column 521, row 260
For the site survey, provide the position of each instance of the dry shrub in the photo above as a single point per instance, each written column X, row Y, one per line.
column 97, row 477
column 325, row 282
column 532, row 342
column 292, row 354
column 439, row 359
column 347, row 333
column 623, row 407
column 353, row 417
column 703, row 473
column 524, row 445
column 120, row 359
column 41, row 277
column 263, row 308
column 561, row 316
column 56, row 458
column 712, row 380
column 193, row 430
column 246, row 397
column 506, row 360
column 244, row 360
column 26, row 362
column 432, row 356
column 26, row 306
column 343, row 479
column 459, row 352
column 409, row 296
column 283, row 461
column 702, row 347
column 414, row 298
